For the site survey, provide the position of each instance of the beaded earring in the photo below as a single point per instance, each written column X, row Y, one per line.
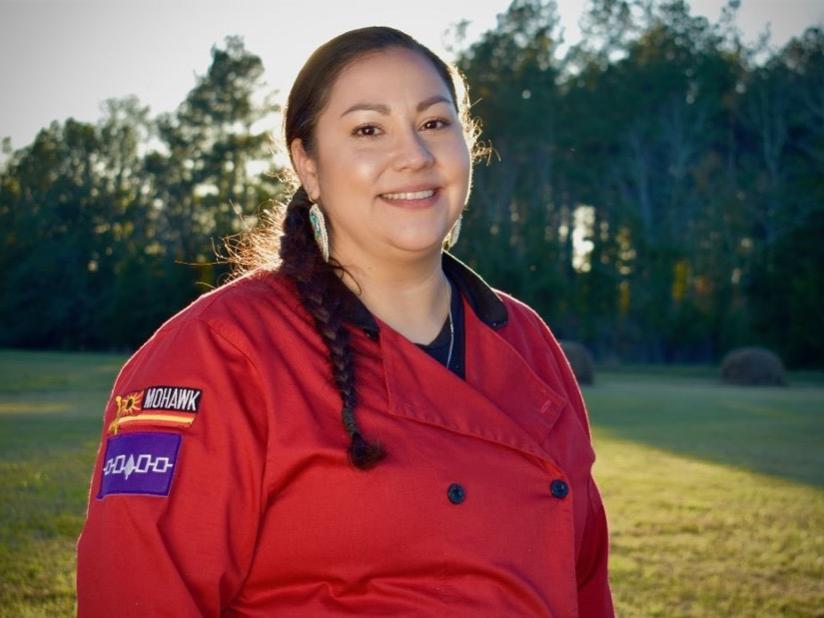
column 318, row 222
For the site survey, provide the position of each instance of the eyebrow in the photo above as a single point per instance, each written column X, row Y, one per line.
column 384, row 109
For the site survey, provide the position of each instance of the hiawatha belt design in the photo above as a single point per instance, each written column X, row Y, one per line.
column 172, row 406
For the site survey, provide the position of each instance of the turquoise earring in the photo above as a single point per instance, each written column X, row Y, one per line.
column 318, row 222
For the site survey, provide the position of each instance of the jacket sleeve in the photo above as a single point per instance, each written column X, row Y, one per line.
column 594, row 595
column 175, row 496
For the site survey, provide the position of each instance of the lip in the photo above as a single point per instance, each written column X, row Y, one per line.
column 424, row 203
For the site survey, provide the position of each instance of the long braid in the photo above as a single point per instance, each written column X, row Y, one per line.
column 320, row 291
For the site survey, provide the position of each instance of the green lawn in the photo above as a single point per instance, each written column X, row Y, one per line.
column 715, row 494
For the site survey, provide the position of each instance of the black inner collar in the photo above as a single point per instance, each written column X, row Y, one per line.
column 481, row 297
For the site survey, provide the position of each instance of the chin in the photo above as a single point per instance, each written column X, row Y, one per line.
column 419, row 244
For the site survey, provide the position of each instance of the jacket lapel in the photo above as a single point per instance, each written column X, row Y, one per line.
column 502, row 399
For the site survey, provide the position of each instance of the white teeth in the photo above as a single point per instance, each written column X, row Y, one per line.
column 420, row 195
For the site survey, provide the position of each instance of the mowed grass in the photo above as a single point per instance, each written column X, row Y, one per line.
column 51, row 409
column 715, row 494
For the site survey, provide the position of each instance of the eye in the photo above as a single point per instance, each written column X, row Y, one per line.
column 365, row 130
column 444, row 123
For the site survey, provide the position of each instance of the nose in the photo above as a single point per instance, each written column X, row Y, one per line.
column 412, row 151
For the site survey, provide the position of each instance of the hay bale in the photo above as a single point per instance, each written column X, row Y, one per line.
column 580, row 360
column 753, row 366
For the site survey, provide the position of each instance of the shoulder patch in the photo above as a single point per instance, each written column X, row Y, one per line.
column 140, row 463
column 172, row 406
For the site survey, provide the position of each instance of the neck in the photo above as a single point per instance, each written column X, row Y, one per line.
column 411, row 296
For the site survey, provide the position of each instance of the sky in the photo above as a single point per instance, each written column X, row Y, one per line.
column 61, row 59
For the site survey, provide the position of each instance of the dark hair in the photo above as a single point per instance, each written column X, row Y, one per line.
column 286, row 240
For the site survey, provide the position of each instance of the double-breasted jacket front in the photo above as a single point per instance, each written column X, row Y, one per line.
column 222, row 485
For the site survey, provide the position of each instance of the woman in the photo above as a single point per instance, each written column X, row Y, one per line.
column 362, row 426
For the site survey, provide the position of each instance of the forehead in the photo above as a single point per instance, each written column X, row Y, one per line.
column 389, row 76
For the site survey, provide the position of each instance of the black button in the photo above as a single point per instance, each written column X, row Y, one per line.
column 456, row 493
column 559, row 488
column 371, row 334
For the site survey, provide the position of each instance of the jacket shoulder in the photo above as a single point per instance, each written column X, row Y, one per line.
column 236, row 311
column 528, row 331
column 523, row 315
column 226, row 303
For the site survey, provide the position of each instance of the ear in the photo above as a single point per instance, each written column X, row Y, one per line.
column 306, row 169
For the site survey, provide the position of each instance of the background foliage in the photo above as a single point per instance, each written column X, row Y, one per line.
column 656, row 190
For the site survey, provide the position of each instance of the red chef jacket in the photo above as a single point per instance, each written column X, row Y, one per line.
column 222, row 486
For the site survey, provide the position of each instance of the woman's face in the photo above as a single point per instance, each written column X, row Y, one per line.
column 391, row 166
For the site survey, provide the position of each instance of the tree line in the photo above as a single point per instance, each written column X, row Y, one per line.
column 655, row 191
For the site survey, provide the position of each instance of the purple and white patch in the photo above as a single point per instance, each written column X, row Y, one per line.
column 139, row 463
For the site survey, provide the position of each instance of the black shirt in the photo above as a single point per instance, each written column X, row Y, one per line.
column 439, row 347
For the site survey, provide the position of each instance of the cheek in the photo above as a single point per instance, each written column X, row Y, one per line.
column 352, row 171
column 460, row 165
column 365, row 168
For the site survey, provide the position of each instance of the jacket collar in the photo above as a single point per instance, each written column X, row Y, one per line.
column 482, row 298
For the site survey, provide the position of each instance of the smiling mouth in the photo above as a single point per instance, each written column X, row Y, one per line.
column 410, row 196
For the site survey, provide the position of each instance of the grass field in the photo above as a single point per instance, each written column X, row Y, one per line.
column 715, row 494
